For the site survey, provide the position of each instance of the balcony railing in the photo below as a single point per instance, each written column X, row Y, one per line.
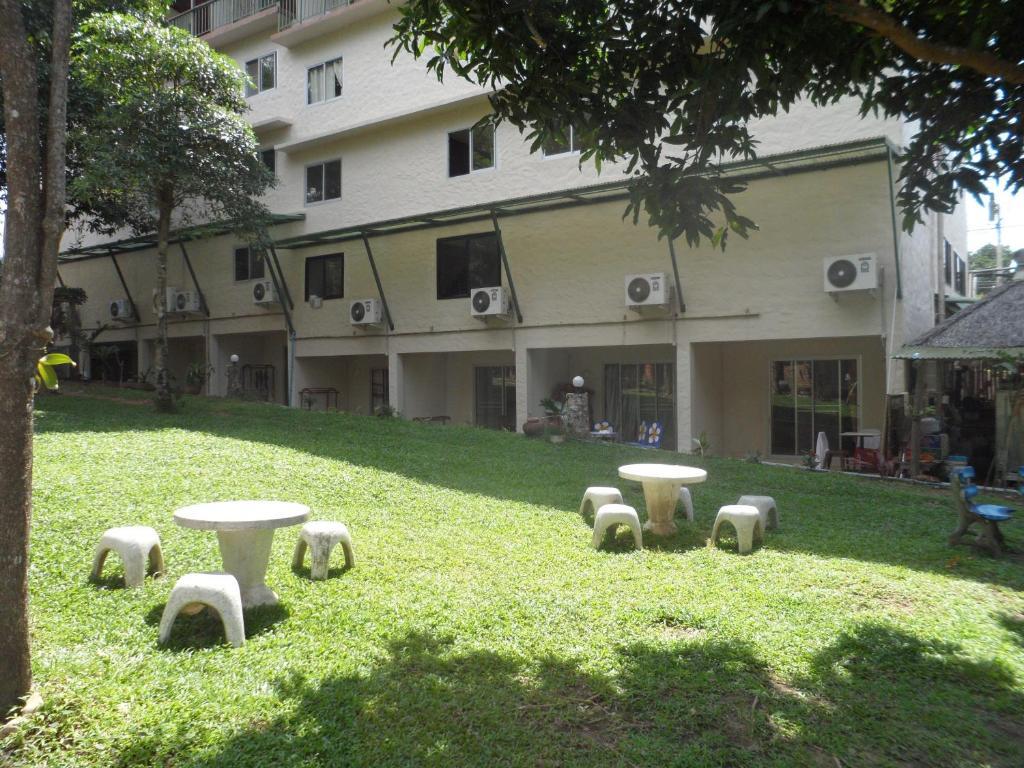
column 297, row 11
column 219, row 13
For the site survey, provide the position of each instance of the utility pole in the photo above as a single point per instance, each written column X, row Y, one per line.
column 995, row 215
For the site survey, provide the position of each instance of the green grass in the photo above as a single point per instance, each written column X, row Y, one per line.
column 480, row 629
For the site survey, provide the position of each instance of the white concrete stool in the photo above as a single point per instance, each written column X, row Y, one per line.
column 322, row 536
column 218, row 591
column 596, row 496
column 612, row 515
column 745, row 519
column 766, row 507
column 687, row 499
column 134, row 543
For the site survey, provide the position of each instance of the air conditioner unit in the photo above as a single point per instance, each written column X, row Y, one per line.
column 121, row 311
column 489, row 302
column 650, row 290
column 186, row 302
column 851, row 273
column 264, row 293
column 366, row 312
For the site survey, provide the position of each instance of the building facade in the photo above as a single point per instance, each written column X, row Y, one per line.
column 387, row 195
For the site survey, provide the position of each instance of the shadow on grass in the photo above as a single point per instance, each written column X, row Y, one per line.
column 205, row 629
column 822, row 514
column 876, row 696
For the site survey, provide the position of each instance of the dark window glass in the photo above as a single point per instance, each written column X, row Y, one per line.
column 255, row 265
column 315, row 84
column 332, row 180
column 947, row 263
column 379, row 394
column 561, row 143
column 465, row 263
column 268, row 72
column 483, row 147
column 248, row 264
column 252, row 71
column 314, row 183
column 325, row 276
column 458, row 153
column 496, row 397
column 960, row 278
column 269, row 158
column 812, row 396
column 333, row 69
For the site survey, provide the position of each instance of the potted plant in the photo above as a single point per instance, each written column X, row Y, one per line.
column 196, row 376
column 548, row 424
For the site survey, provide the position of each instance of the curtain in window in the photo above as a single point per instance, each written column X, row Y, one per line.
column 315, row 84
column 334, row 79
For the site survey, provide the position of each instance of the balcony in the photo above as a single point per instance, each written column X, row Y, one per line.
column 222, row 21
column 298, row 11
column 301, row 20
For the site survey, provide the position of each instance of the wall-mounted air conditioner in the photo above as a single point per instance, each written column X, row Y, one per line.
column 650, row 290
column 366, row 312
column 172, row 299
column 121, row 311
column 489, row 302
column 264, row 293
column 186, row 302
column 851, row 273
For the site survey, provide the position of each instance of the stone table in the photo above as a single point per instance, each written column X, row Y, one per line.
column 245, row 533
column 661, row 483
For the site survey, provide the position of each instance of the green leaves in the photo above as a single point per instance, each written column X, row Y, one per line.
column 45, row 375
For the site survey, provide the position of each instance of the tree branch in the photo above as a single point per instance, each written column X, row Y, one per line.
column 884, row 25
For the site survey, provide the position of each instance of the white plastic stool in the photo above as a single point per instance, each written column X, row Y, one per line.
column 134, row 543
column 322, row 536
column 766, row 507
column 612, row 515
column 687, row 500
column 596, row 496
column 216, row 590
column 745, row 519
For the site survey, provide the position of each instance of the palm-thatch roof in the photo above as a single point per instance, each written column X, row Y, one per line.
column 991, row 328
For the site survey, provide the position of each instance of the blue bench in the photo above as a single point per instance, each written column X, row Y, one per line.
column 987, row 515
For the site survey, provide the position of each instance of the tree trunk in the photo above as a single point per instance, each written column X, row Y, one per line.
column 33, row 227
column 164, row 396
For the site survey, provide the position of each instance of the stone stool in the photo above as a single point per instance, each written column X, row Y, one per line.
column 612, row 515
column 322, row 536
column 596, row 496
column 687, row 499
column 218, row 591
column 745, row 519
column 766, row 508
column 134, row 543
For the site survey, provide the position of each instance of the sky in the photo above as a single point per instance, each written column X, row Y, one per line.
column 981, row 231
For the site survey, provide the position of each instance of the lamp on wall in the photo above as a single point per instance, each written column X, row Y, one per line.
column 234, row 358
column 577, row 381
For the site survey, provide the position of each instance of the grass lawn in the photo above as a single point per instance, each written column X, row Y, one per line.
column 479, row 628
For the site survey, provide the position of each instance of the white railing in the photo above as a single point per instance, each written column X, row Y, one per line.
column 218, row 13
column 298, row 11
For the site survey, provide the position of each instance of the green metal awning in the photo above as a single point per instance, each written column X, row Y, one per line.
column 958, row 353
column 184, row 235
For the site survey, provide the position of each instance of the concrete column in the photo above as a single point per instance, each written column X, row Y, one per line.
column 684, row 397
column 522, row 386
column 145, row 356
column 396, row 382
column 217, row 386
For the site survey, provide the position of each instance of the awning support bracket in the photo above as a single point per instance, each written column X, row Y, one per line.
column 376, row 279
column 127, row 293
column 278, row 281
column 195, row 281
column 675, row 273
column 269, row 244
column 508, row 272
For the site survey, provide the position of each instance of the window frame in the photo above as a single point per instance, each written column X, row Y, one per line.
column 322, row 66
column 469, row 288
column 574, row 148
column 250, row 262
column 470, row 130
column 321, row 260
column 258, row 61
column 323, row 182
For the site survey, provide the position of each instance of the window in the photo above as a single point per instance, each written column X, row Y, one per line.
column 262, row 74
column 323, row 82
column 636, row 393
column 947, row 262
column 959, row 274
column 323, row 181
column 379, row 390
column 325, row 276
column 465, row 263
column 812, row 396
column 563, row 144
column 248, row 264
column 496, row 397
column 471, row 149
column 269, row 159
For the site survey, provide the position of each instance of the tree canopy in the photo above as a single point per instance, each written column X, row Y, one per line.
column 668, row 87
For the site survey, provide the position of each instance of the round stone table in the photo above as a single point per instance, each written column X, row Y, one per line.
column 245, row 533
column 661, row 483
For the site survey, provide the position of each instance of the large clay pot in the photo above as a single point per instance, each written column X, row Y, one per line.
column 534, row 427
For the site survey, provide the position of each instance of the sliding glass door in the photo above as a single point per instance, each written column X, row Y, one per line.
column 812, row 396
column 641, row 392
column 496, row 397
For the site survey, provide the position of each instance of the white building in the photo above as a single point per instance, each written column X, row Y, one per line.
column 385, row 194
